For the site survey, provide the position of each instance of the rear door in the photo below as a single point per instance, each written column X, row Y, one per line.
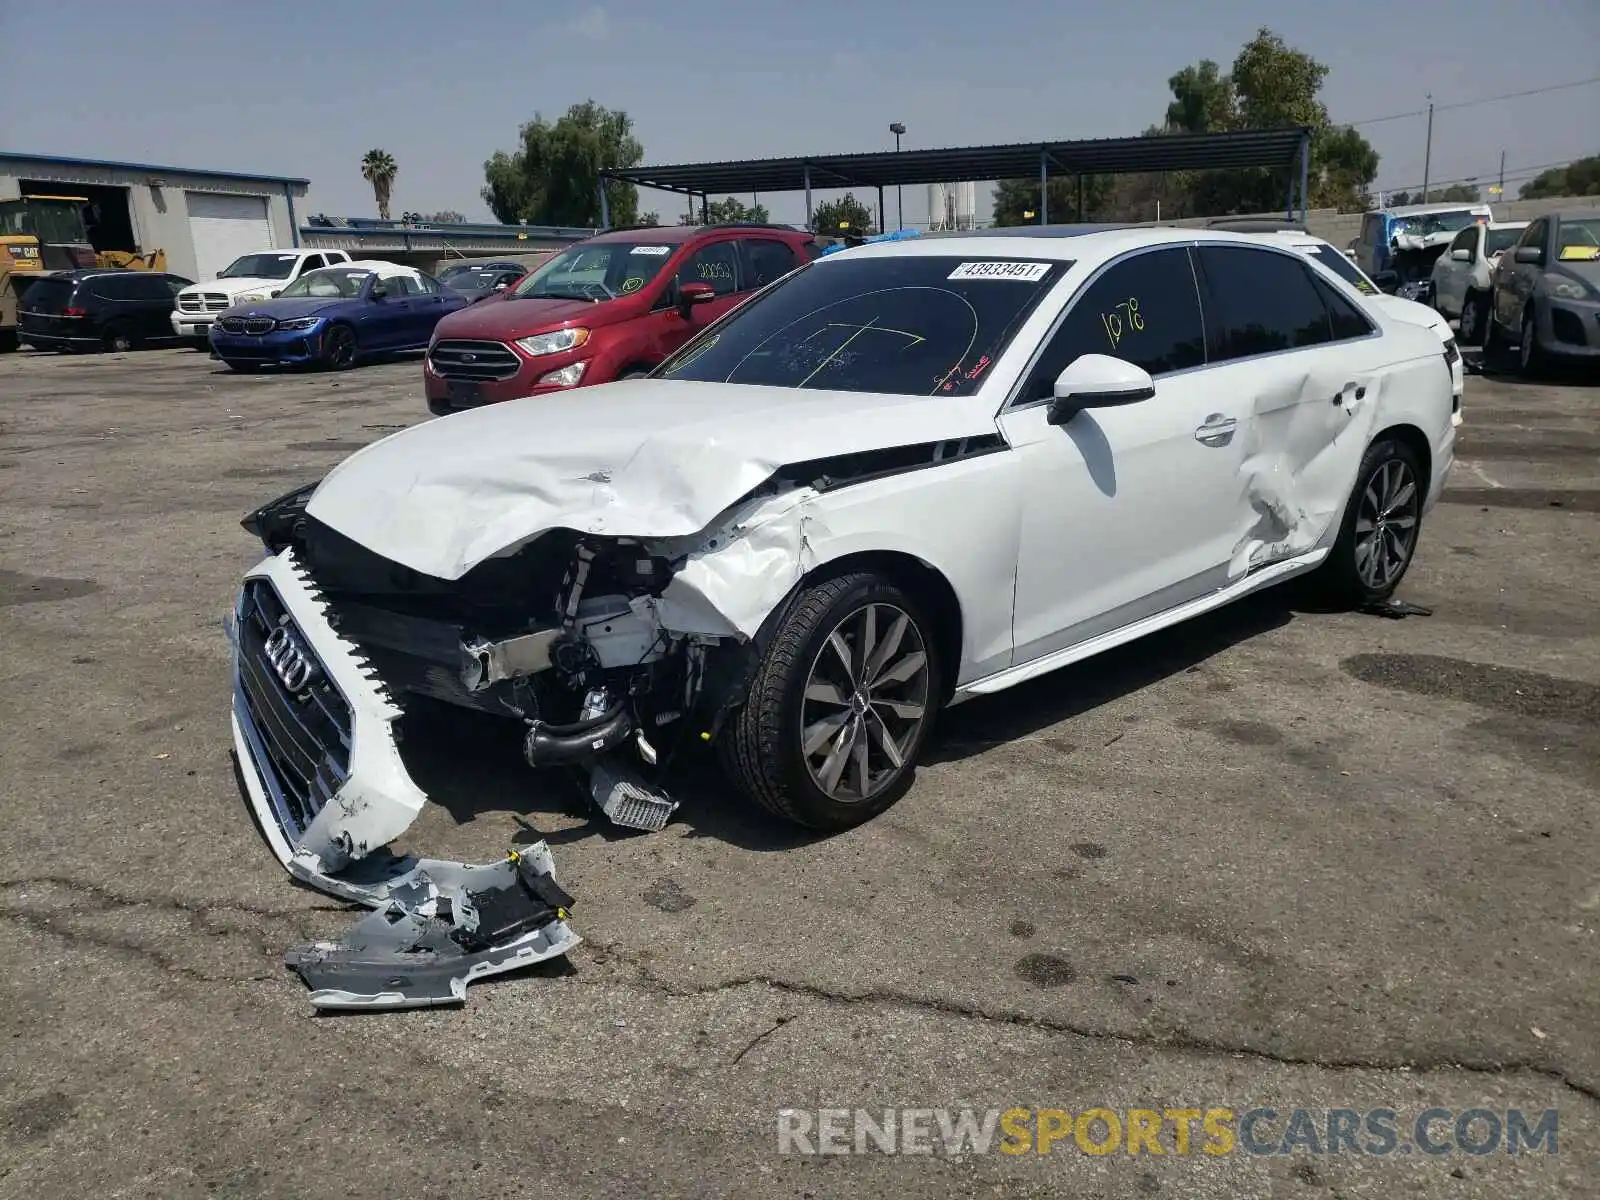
column 1451, row 276
column 1514, row 281
column 427, row 306
column 150, row 300
column 716, row 263
column 1305, row 364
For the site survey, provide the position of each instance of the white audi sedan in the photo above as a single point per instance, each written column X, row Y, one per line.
column 898, row 478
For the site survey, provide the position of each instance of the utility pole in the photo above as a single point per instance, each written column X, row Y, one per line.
column 1501, row 190
column 1427, row 154
column 897, row 129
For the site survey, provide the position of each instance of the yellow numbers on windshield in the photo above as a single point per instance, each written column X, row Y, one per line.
column 1122, row 319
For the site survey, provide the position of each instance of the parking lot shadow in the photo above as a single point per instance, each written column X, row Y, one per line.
column 1065, row 693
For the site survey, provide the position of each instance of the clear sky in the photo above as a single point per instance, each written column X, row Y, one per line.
column 294, row 88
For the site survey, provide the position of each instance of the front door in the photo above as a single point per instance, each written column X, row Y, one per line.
column 1127, row 511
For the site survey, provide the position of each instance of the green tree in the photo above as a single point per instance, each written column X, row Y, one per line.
column 1270, row 85
column 649, row 218
column 1400, row 198
column 553, row 177
column 379, row 169
column 1581, row 177
column 1015, row 199
column 447, row 217
column 730, row 211
column 845, row 215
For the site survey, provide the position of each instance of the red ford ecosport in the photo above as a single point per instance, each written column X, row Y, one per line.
column 606, row 308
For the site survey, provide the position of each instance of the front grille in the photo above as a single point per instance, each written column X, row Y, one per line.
column 231, row 324
column 216, row 301
column 303, row 738
column 191, row 304
column 459, row 358
column 258, row 324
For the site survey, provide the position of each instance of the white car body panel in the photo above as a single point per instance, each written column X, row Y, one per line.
column 1056, row 541
column 1452, row 279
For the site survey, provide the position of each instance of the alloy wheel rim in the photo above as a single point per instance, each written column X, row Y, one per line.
column 1386, row 524
column 1469, row 323
column 342, row 347
column 865, row 702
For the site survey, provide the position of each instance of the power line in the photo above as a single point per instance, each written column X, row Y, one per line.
column 1521, row 174
column 1422, row 112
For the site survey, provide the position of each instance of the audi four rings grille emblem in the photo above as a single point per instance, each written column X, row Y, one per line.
column 291, row 661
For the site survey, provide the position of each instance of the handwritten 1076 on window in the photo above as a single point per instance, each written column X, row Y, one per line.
column 1123, row 318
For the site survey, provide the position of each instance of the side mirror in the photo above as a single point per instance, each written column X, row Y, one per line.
column 1462, row 255
column 1530, row 254
column 690, row 294
column 1387, row 281
column 1097, row 381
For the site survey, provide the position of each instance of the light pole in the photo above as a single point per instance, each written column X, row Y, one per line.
column 1427, row 153
column 897, row 129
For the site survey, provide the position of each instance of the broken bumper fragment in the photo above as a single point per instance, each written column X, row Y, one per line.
column 447, row 926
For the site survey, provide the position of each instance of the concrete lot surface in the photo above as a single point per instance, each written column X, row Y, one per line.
column 1274, row 858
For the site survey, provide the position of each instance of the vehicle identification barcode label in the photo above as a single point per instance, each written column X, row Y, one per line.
column 1027, row 272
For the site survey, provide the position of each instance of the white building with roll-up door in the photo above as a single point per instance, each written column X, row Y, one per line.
column 203, row 220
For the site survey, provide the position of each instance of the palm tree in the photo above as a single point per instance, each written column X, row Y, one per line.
column 379, row 169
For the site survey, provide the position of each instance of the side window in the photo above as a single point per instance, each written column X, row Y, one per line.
column 1348, row 321
column 427, row 285
column 1533, row 235
column 1369, row 229
column 765, row 260
column 110, row 287
column 1467, row 240
column 1143, row 310
column 716, row 264
column 147, row 286
column 402, row 285
column 175, row 283
column 1261, row 302
column 312, row 262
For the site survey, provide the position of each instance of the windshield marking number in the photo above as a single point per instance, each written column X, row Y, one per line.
column 1113, row 320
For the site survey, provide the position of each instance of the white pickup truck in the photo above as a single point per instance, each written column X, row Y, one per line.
column 248, row 278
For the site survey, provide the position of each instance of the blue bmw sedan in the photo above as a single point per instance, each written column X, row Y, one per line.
column 335, row 317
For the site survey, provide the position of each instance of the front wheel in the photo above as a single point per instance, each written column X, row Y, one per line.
column 1530, row 358
column 1378, row 536
column 1474, row 310
column 840, row 706
column 339, row 348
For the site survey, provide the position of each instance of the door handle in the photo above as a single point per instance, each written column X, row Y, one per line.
column 1217, row 430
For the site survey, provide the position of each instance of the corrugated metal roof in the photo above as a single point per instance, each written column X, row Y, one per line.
column 56, row 160
column 1019, row 160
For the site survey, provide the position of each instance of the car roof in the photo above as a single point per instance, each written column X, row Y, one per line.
column 674, row 235
column 1096, row 242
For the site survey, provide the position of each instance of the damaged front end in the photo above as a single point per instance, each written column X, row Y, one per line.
column 612, row 653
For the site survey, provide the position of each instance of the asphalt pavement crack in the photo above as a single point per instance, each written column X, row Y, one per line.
column 1187, row 1043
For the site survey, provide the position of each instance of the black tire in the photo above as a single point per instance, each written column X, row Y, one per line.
column 1474, row 311
column 1530, row 358
column 1342, row 580
column 241, row 367
column 118, row 340
column 339, row 348
column 761, row 747
column 8, row 341
column 1494, row 342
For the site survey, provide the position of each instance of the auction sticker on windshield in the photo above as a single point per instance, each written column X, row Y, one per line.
column 1027, row 272
column 650, row 250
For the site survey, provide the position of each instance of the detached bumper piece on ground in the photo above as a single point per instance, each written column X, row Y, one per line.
column 449, row 925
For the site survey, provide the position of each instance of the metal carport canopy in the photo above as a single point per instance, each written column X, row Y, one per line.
column 1020, row 160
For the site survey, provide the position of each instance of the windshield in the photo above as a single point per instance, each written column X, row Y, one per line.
column 260, row 266
column 1579, row 241
column 599, row 271
column 1344, row 269
column 53, row 222
column 910, row 325
column 1496, row 240
column 1428, row 224
column 333, row 283
column 475, row 281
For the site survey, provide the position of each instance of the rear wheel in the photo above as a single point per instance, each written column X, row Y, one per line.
column 840, row 706
column 8, row 341
column 1378, row 536
column 118, row 339
column 339, row 348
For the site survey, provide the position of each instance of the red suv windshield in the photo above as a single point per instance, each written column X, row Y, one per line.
column 599, row 271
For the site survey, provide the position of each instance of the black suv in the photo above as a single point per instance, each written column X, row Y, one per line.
column 110, row 309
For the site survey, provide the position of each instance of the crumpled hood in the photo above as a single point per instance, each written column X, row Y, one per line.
column 510, row 318
column 645, row 458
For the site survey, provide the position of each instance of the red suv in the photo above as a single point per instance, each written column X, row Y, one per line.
column 611, row 307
